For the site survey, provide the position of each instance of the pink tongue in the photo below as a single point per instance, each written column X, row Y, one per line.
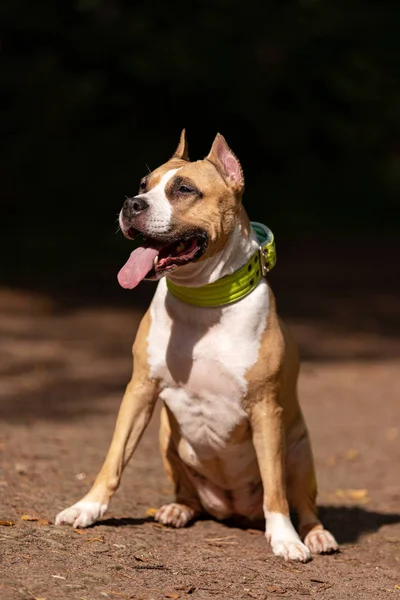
column 137, row 266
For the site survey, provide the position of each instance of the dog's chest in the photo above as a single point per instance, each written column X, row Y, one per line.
column 201, row 357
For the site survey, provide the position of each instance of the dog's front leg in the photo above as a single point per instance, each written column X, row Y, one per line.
column 133, row 417
column 268, row 439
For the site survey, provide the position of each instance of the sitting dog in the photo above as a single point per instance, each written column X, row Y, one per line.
column 211, row 346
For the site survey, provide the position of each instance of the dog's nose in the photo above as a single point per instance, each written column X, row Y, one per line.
column 139, row 204
column 134, row 206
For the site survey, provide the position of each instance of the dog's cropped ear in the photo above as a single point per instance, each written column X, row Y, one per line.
column 227, row 163
column 182, row 151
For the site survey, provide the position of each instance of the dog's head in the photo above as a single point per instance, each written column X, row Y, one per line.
column 184, row 212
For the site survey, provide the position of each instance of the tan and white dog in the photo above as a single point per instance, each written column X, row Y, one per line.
column 233, row 437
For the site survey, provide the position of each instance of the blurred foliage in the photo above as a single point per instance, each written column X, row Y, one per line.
column 306, row 93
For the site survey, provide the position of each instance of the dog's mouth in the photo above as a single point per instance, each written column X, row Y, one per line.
column 154, row 258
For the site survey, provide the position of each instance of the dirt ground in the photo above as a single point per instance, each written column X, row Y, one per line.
column 65, row 358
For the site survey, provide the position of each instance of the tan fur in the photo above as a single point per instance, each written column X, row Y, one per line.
column 277, row 428
column 134, row 415
column 272, row 425
column 278, row 425
column 182, row 151
column 218, row 219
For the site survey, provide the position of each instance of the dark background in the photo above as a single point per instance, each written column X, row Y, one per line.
column 306, row 92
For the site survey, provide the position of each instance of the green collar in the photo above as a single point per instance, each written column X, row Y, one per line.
column 232, row 288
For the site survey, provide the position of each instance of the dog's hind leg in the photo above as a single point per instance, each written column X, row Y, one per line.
column 302, row 493
column 187, row 505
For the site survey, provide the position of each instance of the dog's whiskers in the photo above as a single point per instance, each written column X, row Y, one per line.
column 118, row 225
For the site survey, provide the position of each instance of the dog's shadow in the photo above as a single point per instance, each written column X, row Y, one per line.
column 347, row 523
column 124, row 521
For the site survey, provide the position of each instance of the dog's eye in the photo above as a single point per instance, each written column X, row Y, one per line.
column 184, row 189
column 142, row 185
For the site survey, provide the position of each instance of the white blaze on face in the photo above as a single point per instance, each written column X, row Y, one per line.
column 153, row 221
column 156, row 220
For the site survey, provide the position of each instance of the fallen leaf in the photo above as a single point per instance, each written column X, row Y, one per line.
column 358, row 494
column 29, row 518
column 44, row 522
column 80, row 531
column 396, row 586
column 275, row 590
column 171, row 595
column 150, row 512
column 351, row 454
column 96, row 539
column 7, row 523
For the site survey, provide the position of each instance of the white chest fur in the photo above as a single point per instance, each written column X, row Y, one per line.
column 201, row 356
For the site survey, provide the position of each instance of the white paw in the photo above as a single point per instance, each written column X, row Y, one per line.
column 320, row 541
column 175, row 515
column 291, row 550
column 81, row 514
column 284, row 539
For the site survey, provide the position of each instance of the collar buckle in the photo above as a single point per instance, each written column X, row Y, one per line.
column 263, row 252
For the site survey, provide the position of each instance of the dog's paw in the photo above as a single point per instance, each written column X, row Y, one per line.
column 82, row 514
column 284, row 539
column 291, row 550
column 321, row 541
column 174, row 514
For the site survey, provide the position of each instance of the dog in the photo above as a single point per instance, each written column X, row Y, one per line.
column 213, row 349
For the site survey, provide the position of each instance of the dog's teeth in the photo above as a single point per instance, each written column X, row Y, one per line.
column 180, row 247
column 155, row 261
